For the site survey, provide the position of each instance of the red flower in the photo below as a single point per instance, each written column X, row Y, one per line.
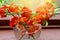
column 31, row 29
column 2, row 12
column 21, row 27
column 23, row 19
column 5, row 6
column 13, row 8
column 26, row 12
column 29, row 22
column 14, row 21
column 49, row 16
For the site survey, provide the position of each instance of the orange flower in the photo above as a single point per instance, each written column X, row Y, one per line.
column 14, row 21
column 49, row 6
column 39, row 18
column 45, row 12
column 31, row 29
column 23, row 19
column 49, row 16
column 26, row 12
column 42, row 10
column 5, row 6
column 51, row 9
column 13, row 8
column 21, row 27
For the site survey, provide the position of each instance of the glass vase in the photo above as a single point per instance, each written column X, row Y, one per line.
column 26, row 35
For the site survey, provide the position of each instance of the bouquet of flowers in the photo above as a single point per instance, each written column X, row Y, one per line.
column 25, row 19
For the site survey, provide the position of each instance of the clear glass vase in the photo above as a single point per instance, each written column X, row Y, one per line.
column 25, row 35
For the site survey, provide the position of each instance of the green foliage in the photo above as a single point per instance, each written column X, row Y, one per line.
column 2, row 2
column 56, row 6
column 45, row 23
column 33, row 15
column 8, row 1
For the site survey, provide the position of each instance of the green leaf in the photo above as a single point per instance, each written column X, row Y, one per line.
column 45, row 23
column 0, row 4
column 55, row 4
column 14, row 13
column 3, row 2
column 57, row 10
column 8, row 1
column 6, row 12
column 33, row 14
column 0, row 0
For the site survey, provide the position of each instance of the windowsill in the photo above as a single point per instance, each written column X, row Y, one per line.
column 43, row 27
column 46, row 34
column 53, row 22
